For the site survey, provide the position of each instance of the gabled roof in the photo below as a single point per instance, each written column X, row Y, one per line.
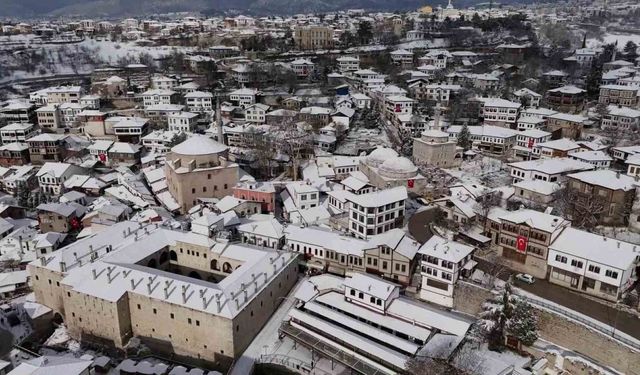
column 442, row 248
column 606, row 178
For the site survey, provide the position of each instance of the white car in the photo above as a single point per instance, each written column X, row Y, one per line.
column 526, row 278
column 422, row 201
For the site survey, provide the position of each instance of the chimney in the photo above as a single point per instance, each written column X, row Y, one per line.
column 63, row 267
column 133, row 284
column 95, row 276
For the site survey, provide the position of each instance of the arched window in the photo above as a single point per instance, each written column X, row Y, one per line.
column 226, row 267
column 173, row 255
column 214, row 264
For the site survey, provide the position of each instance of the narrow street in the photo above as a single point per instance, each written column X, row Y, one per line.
column 267, row 338
column 419, row 224
column 620, row 320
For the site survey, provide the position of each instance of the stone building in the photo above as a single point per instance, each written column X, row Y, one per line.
column 198, row 168
column 385, row 169
column 313, row 37
column 433, row 148
column 182, row 293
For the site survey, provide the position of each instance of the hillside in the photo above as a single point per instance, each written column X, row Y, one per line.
column 117, row 8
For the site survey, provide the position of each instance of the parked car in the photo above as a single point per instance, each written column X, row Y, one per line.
column 526, row 278
column 422, row 201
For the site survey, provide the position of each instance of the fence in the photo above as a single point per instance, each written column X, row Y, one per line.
column 292, row 363
column 609, row 331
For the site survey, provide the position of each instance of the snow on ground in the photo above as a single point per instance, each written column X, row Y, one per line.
column 80, row 57
column 112, row 51
column 579, row 318
column 492, row 171
column 481, row 360
column 609, row 38
column 60, row 338
column 562, row 352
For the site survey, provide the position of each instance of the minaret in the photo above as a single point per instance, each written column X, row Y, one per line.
column 218, row 121
column 436, row 117
column 449, row 6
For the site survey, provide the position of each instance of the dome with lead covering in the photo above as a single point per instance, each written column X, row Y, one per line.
column 398, row 168
column 199, row 145
column 380, row 155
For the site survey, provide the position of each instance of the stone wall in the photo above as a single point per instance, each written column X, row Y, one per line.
column 468, row 298
column 575, row 336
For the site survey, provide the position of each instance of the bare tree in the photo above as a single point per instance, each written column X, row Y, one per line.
column 495, row 268
column 486, row 203
column 583, row 209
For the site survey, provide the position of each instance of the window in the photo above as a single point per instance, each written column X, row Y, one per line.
column 561, row 259
column 594, row 269
column 611, row 274
column 361, row 295
column 155, row 311
column 576, row 263
column 353, row 292
column 171, row 315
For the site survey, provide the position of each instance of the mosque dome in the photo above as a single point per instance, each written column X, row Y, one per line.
column 379, row 156
column 398, row 168
column 199, row 145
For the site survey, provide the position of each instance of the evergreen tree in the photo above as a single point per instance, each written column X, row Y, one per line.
column 524, row 324
column 631, row 51
column 23, row 194
column 464, row 138
column 365, row 32
column 506, row 315
column 497, row 312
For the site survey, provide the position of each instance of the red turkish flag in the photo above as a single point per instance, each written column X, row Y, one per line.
column 398, row 109
column 521, row 244
column 102, row 157
column 410, row 183
column 530, row 145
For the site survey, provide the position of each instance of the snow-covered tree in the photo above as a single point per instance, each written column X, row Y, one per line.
column 507, row 315
column 524, row 323
column 464, row 138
